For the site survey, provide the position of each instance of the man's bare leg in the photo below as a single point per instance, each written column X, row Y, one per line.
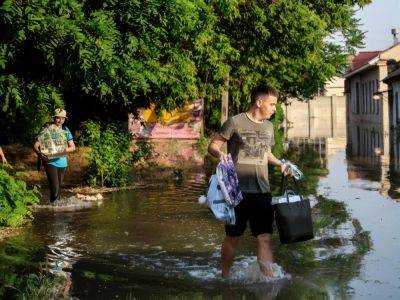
column 264, row 253
column 228, row 250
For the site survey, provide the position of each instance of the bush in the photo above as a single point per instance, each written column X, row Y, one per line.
column 16, row 201
column 203, row 145
column 143, row 151
column 110, row 159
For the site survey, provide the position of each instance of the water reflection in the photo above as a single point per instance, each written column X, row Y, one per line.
column 374, row 156
column 158, row 242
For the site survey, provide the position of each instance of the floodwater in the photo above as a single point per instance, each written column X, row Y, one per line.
column 158, row 242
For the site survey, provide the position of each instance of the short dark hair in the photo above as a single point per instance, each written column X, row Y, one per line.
column 263, row 90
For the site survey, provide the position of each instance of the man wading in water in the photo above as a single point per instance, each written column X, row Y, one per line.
column 250, row 137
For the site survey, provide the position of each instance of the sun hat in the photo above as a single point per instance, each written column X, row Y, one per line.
column 59, row 112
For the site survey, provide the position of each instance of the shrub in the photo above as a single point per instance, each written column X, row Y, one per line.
column 16, row 201
column 143, row 151
column 110, row 159
column 203, row 145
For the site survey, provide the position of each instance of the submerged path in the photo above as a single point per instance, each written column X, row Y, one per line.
column 158, row 242
column 380, row 273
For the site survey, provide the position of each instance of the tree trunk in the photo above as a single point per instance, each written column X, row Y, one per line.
column 225, row 101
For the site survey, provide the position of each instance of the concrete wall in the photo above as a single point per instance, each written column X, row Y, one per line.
column 334, row 87
column 320, row 117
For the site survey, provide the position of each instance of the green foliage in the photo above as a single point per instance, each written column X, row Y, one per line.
column 120, row 55
column 143, row 151
column 330, row 213
column 16, row 201
column 203, row 145
column 110, row 159
column 278, row 130
column 21, row 276
column 43, row 286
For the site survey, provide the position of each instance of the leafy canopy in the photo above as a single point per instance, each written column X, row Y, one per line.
column 122, row 54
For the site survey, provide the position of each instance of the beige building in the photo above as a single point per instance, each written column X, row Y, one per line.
column 367, row 102
column 334, row 87
column 393, row 81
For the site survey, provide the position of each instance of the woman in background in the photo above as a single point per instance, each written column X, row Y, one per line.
column 55, row 167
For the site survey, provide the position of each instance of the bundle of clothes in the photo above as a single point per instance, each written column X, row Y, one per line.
column 223, row 192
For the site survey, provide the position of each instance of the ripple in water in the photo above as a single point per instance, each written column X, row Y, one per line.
column 245, row 269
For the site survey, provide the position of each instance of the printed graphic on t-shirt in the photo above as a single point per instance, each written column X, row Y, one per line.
column 255, row 147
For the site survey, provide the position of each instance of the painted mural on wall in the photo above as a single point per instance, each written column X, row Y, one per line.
column 184, row 123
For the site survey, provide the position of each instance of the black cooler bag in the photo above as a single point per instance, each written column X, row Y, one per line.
column 293, row 219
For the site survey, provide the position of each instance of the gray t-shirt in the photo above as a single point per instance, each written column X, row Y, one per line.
column 248, row 143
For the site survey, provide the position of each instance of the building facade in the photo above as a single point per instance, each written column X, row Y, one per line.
column 367, row 103
column 393, row 82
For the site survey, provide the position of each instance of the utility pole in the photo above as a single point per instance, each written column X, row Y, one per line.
column 225, row 101
column 224, row 108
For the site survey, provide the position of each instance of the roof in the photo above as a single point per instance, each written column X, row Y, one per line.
column 365, row 60
column 362, row 59
column 391, row 77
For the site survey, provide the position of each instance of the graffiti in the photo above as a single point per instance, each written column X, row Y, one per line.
column 184, row 123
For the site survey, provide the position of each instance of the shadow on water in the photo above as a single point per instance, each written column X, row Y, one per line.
column 158, row 242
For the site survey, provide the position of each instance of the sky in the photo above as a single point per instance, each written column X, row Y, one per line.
column 378, row 19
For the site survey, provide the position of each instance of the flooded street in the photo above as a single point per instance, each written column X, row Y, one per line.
column 379, row 214
column 158, row 242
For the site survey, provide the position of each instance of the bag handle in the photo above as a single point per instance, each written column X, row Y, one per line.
column 285, row 181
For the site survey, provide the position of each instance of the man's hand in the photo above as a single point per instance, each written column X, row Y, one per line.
column 285, row 170
column 223, row 157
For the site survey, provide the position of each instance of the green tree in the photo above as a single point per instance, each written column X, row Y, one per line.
column 117, row 55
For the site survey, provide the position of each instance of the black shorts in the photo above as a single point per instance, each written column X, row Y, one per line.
column 256, row 209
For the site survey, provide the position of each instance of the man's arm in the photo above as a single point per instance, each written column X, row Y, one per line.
column 215, row 146
column 274, row 161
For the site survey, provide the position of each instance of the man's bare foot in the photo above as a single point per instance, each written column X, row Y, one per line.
column 266, row 268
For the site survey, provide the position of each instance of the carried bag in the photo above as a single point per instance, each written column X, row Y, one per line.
column 223, row 192
column 217, row 204
column 292, row 214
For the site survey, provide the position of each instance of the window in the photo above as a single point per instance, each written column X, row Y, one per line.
column 397, row 109
column 357, row 98
column 370, row 97
column 364, row 97
column 377, row 102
